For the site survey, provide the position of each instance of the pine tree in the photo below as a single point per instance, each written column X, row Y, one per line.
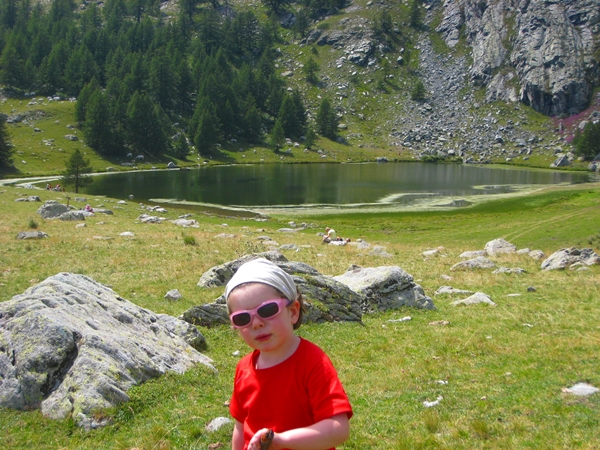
column 311, row 68
column 587, row 143
column 146, row 132
column 12, row 67
column 327, row 121
column 6, row 148
column 208, row 129
column 97, row 127
column 277, row 138
column 77, row 172
column 418, row 92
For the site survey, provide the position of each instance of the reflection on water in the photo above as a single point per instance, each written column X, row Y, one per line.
column 323, row 184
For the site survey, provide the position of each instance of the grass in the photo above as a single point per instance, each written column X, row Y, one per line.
column 503, row 368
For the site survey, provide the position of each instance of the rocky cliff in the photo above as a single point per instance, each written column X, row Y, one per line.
column 542, row 52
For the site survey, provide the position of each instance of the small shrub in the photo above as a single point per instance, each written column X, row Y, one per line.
column 32, row 224
column 189, row 240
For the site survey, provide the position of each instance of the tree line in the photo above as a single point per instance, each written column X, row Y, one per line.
column 145, row 84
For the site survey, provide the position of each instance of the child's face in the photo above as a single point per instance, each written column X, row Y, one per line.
column 266, row 335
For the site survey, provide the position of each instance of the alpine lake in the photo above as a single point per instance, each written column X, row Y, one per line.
column 302, row 188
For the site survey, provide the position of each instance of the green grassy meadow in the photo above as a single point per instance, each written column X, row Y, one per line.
column 500, row 370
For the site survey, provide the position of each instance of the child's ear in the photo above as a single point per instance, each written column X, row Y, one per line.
column 295, row 311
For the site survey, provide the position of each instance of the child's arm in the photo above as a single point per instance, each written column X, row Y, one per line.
column 237, row 440
column 325, row 434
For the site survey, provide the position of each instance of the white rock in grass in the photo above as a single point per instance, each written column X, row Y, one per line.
column 127, row 234
column 218, row 423
column 436, row 402
column 581, row 389
column 477, row 297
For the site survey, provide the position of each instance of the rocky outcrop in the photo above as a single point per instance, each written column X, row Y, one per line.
column 545, row 47
column 70, row 346
column 327, row 299
column 566, row 257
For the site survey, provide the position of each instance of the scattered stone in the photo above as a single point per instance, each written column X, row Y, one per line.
column 451, row 291
column 403, row 319
column 481, row 262
column 472, row 254
column 31, row 198
column 25, row 235
column 537, row 254
column 173, row 294
column 186, row 223
column 442, row 323
column 80, row 225
column 289, row 247
column 225, row 236
column 478, row 297
column 436, row 402
column 531, row 289
column 581, row 389
column 498, row 246
column 127, row 234
column 509, row 270
column 217, row 424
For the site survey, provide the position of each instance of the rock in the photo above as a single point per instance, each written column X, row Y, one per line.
column 581, row 389
column 71, row 137
column 72, row 216
column 567, row 256
column 499, row 246
column 537, row 254
column 472, row 254
column 428, row 253
column 509, row 270
column 289, row 247
column 77, row 346
column 127, row 234
column 217, row 424
column 31, row 235
column 186, row 223
column 478, row 297
column 451, row 291
column 51, row 209
column 31, row 198
column 387, row 287
column 173, row 294
column 481, row 262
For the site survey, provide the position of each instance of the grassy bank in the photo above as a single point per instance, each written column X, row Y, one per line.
column 503, row 368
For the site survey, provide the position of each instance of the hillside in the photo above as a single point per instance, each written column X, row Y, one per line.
column 503, row 82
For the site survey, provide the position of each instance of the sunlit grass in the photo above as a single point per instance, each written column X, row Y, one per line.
column 500, row 370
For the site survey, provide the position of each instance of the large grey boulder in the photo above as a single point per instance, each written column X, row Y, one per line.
column 327, row 299
column 386, row 287
column 73, row 216
column 52, row 209
column 566, row 257
column 71, row 345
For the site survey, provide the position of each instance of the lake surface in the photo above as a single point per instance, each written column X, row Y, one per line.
column 304, row 185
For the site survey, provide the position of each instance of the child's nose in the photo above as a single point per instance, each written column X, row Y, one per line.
column 257, row 322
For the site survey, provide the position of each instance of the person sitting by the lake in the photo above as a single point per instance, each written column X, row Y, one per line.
column 89, row 209
column 57, row 187
column 287, row 391
column 48, row 186
column 330, row 235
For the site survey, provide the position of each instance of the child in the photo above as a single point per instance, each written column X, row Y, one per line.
column 287, row 384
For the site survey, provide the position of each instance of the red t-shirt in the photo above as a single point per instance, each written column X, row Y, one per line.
column 301, row 391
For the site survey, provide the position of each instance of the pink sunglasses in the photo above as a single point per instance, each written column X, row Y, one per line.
column 266, row 310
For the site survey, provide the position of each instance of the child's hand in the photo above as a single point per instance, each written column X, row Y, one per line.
column 261, row 440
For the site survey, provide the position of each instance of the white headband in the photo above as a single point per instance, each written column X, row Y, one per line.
column 262, row 270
